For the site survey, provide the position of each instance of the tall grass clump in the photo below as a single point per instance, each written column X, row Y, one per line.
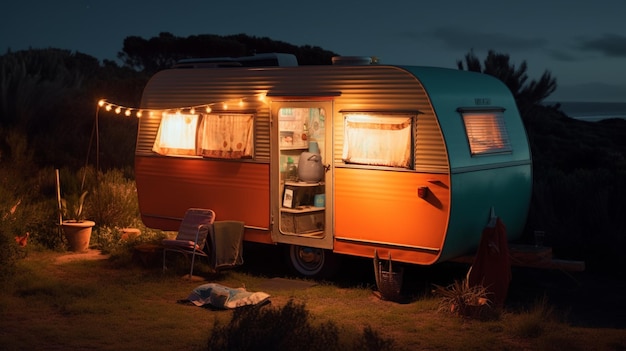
column 535, row 322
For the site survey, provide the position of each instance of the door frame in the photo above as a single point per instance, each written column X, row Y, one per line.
column 326, row 240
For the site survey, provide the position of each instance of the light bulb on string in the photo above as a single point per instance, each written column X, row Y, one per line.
column 118, row 110
column 127, row 113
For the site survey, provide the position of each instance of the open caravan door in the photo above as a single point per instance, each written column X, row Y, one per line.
column 301, row 182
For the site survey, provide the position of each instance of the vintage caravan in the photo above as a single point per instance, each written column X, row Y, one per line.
column 341, row 159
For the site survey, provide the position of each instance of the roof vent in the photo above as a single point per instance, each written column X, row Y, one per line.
column 352, row 60
column 258, row 60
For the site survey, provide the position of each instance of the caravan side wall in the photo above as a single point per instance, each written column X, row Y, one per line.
column 167, row 186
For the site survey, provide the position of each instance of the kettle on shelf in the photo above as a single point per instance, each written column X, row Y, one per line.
column 310, row 167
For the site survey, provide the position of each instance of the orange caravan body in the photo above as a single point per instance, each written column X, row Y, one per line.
column 336, row 159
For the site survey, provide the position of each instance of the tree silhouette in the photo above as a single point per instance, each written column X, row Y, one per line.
column 157, row 53
column 48, row 96
column 526, row 94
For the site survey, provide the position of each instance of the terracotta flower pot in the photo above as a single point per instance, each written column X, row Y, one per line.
column 78, row 234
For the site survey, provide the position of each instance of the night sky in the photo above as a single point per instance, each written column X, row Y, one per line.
column 582, row 43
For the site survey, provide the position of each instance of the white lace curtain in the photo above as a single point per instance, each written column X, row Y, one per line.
column 377, row 140
column 176, row 134
column 226, row 136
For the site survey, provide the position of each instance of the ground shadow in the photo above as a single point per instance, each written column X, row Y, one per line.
column 585, row 299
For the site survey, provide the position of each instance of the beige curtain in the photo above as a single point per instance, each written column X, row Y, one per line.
column 176, row 134
column 377, row 140
column 486, row 133
column 226, row 136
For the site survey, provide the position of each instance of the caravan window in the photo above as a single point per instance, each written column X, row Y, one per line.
column 210, row 135
column 381, row 140
column 177, row 134
column 226, row 136
column 486, row 132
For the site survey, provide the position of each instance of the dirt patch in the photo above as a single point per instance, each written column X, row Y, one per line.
column 87, row 255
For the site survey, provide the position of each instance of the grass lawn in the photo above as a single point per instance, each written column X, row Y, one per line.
column 104, row 304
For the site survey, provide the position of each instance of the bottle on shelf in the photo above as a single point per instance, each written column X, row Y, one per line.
column 292, row 170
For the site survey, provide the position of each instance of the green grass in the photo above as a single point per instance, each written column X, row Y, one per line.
column 105, row 305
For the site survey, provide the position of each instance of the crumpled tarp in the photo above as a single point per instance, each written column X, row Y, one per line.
column 220, row 296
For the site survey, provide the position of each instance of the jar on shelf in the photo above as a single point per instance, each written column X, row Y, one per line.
column 291, row 171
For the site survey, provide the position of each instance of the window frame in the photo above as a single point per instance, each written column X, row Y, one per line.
column 169, row 149
column 485, row 131
column 411, row 116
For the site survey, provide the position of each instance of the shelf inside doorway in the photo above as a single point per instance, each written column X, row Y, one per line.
column 292, row 183
column 302, row 209
column 294, row 147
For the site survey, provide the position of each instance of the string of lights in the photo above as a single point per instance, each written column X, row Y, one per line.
column 207, row 108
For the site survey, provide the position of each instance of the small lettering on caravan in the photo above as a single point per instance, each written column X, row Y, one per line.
column 482, row 101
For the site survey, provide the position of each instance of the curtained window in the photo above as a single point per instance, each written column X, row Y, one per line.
column 176, row 134
column 486, row 133
column 381, row 140
column 226, row 136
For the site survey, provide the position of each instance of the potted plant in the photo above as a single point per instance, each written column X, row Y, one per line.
column 76, row 228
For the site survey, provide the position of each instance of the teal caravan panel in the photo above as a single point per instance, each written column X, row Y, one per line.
column 502, row 181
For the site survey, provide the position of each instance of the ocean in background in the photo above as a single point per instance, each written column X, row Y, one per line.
column 593, row 111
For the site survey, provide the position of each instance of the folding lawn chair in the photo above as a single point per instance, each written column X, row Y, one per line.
column 196, row 226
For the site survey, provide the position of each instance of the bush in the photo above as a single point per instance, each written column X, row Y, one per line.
column 579, row 170
column 287, row 328
column 27, row 202
column 372, row 341
column 113, row 200
column 112, row 203
column 9, row 254
column 111, row 240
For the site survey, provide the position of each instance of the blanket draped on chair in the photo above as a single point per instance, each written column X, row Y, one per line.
column 226, row 244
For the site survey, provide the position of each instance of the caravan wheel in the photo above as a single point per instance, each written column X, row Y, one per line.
column 311, row 261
